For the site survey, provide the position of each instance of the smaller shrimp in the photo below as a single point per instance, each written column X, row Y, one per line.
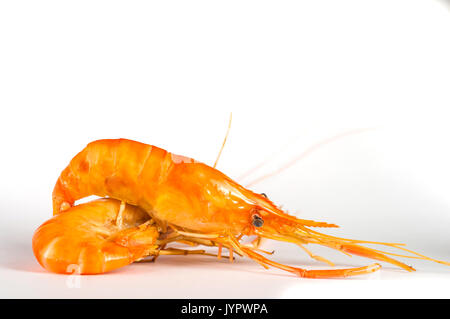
column 98, row 236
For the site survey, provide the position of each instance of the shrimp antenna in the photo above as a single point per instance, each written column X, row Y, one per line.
column 224, row 140
column 307, row 152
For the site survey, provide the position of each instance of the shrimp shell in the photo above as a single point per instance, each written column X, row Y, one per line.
column 91, row 239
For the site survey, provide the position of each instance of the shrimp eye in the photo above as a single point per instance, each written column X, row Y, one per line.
column 264, row 195
column 257, row 221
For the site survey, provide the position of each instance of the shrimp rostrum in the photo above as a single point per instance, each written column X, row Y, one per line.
column 191, row 202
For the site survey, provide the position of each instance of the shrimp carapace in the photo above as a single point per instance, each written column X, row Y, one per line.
column 94, row 238
column 200, row 203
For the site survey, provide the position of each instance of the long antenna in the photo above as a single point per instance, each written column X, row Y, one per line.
column 304, row 154
column 224, row 141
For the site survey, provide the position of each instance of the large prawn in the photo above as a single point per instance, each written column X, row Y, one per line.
column 100, row 236
column 186, row 201
column 96, row 237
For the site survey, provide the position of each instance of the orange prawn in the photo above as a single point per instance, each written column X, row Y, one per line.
column 100, row 236
column 189, row 201
column 91, row 237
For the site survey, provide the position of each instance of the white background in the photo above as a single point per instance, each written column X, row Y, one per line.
column 293, row 73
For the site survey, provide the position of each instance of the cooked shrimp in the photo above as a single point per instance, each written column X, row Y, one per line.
column 200, row 204
column 97, row 237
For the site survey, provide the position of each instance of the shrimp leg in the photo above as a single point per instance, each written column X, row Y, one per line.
column 327, row 273
column 178, row 252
